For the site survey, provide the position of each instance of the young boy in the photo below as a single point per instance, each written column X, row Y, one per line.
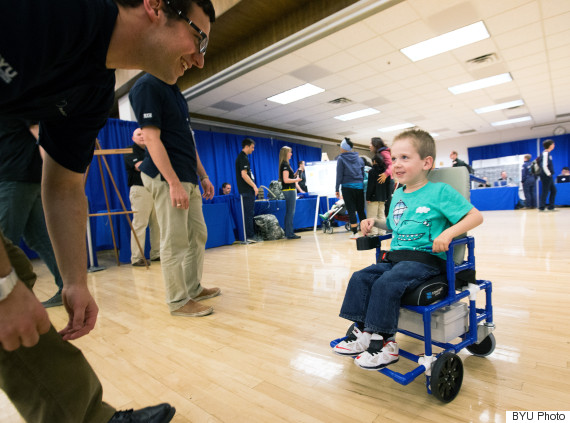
column 424, row 217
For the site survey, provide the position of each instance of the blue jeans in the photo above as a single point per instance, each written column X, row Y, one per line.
column 290, row 199
column 529, row 189
column 22, row 216
column 374, row 293
column 248, row 199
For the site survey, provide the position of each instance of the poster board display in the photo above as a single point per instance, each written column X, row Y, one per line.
column 321, row 177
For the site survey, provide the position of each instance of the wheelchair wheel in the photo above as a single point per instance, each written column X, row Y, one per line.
column 330, row 229
column 446, row 377
column 483, row 348
column 347, row 226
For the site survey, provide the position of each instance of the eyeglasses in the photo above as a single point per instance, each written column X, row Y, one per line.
column 204, row 38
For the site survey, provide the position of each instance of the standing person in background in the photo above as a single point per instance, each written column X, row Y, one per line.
column 350, row 174
column 142, row 205
column 455, row 162
column 302, row 184
column 172, row 172
column 547, row 176
column 377, row 193
column 288, row 181
column 246, row 187
column 529, row 183
column 378, row 146
column 21, row 210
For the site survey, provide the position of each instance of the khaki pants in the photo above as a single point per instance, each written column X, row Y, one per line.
column 143, row 206
column 51, row 381
column 376, row 209
column 183, row 236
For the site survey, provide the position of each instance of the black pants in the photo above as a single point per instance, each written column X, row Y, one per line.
column 248, row 209
column 547, row 186
column 354, row 202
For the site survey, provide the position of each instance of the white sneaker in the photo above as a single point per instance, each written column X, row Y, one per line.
column 378, row 354
column 356, row 343
column 355, row 236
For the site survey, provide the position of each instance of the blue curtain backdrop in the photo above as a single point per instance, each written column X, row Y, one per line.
column 560, row 155
column 218, row 152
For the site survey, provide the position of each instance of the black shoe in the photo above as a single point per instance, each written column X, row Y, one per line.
column 293, row 237
column 161, row 413
column 155, row 259
column 141, row 263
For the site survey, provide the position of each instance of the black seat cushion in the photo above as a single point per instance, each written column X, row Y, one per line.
column 427, row 293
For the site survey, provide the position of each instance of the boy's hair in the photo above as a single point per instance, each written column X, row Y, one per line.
column 183, row 5
column 527, row 156
column 547, row 143
column 247, row 142
column 422, row 140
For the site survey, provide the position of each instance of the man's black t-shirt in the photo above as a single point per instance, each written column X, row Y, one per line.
column 242, row 163
column 52, row 69
column 20, row 159
column 159, row 104
column 131, row 159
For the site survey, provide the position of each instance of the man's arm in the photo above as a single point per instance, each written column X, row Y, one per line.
column 248, row 181
column 65, row 208
column 155, row 147
column 207, row 185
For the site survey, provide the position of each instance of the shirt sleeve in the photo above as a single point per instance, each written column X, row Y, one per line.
column 146, row 99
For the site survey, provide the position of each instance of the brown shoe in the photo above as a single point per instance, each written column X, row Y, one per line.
column 192, row 309
column 208, row 293
column 141, row 263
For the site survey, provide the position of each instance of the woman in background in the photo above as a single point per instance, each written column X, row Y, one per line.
column 379, row 147
column 288, row 181
column 350, row 175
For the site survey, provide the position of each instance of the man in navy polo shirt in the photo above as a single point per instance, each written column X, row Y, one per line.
column 57, row 61
column 170, row 172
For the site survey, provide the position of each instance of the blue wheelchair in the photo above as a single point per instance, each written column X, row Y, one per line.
column 424, row 310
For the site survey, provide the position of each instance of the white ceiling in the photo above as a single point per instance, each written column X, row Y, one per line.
column 362, row 62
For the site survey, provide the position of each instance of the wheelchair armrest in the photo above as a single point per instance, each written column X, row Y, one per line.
column 370, row 242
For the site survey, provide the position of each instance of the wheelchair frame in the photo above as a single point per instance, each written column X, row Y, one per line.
column 444, row 371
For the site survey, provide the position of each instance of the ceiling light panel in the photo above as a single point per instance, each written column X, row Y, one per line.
column 509, row 121
column 481, row 83
column 460, row 37
column 502, row 106
column 397, row 127
column 296, row 94
column 357, row 114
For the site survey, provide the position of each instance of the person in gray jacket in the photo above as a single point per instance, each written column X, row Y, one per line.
column 350, row 175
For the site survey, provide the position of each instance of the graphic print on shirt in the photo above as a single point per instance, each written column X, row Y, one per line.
column 410, row 230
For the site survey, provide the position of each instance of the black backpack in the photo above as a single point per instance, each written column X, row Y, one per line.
column 534, row 167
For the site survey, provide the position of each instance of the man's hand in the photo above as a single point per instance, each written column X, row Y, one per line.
column 22, row 319
column 256, row 190
column 337, row 194
column 82, row 311
column 178, row 196
column 208, row 189
column 382, row 178
column 366, row 225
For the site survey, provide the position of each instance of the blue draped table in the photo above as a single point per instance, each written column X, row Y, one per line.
column 563, row 194
column 500, row 198
column 304, row 211
column 218, row 217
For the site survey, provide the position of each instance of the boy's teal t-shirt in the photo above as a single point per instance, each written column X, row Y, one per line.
column 417, row 218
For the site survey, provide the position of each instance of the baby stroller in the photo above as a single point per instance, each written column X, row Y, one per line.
column 337, row 212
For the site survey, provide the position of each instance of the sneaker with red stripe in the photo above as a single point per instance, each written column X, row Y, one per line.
column 378, row 354
column 355, row 343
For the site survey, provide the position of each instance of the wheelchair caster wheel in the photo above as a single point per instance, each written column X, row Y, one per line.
column 330, row 229
column 446, row 377
column 483, row 348
column 347, row 226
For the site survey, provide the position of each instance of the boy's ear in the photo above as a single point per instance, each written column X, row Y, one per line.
column 428, row 163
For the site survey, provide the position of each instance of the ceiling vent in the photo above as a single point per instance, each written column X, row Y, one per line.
column 340, row 100
column 486, row 59
column 562, row 116
column 469, row 131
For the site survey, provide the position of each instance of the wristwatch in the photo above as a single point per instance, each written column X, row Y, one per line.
column 7, row 284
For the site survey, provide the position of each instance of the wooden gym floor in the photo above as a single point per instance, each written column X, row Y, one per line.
column 264, row 355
